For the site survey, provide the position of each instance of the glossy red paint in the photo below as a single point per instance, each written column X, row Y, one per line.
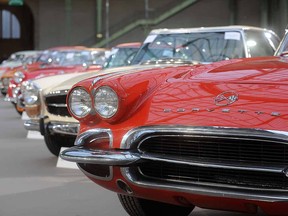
column 150, row 92
column 188, row 96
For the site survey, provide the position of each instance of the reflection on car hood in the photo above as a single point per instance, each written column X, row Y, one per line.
column 253, row 70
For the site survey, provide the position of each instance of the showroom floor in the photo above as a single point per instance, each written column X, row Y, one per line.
column 32, row 185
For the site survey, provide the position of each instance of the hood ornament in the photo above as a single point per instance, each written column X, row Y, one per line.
column 226, row 98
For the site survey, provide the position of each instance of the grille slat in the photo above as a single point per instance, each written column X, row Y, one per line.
column 56, row 105
column 222, row 149
column 172, row 172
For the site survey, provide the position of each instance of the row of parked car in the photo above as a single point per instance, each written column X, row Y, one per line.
column 189, row 117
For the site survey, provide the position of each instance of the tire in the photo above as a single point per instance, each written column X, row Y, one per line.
column 55, row 142
column 142, row 207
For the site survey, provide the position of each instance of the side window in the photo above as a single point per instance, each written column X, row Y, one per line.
column 10, row 26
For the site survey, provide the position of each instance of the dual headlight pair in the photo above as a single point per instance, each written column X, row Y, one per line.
column 105, row 102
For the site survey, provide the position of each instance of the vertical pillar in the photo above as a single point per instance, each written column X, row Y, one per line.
column 68, row 11
column 233, row 12
column 264, row 13
column 107, row 33
column 146, row 9
column 99, row 19
column 284, row 14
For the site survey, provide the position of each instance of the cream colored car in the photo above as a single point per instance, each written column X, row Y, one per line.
column 45, row 104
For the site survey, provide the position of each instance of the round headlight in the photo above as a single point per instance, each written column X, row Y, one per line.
column 106, row 102
column 30, row 93
column 79, row 102
column 18, row 77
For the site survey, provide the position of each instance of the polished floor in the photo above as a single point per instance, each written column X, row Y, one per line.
column 32, row 185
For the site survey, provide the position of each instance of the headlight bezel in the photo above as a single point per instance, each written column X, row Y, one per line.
column 115, row 108
column 69, row 103
column 18, row 77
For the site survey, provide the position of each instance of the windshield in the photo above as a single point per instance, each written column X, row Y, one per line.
column 81, row 57
column 48, row 57
column 261, row 43
column 15, row 57
column 121, row 57
column 283, row 47
column 197, row 46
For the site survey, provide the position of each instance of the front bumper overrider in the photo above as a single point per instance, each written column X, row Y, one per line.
column 109, row 157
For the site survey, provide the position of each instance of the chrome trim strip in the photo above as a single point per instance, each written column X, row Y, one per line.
column 79, row 154
column 57, row 105
column 57, row 93
column 32, row 125
column 94, row 134
column 65, row 128
column 210, row 189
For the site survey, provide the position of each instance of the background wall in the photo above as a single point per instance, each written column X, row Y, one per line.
column 69, row 22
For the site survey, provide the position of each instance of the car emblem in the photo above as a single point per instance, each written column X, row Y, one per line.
column 226, row 98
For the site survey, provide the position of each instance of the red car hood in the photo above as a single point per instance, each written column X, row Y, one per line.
column 246, row 94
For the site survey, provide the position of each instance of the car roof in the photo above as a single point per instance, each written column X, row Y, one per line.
column 207, row 29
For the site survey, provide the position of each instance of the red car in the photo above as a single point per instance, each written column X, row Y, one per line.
column 167, row 138
column 66, row 60
column 17, row 61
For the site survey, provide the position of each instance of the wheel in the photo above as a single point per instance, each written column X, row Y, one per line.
column 55, row 142
column 142, row 207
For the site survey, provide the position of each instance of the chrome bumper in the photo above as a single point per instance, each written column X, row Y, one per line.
column 53, row 127
column 80, row 154
column 9, row 99
column 32, row 125
column 101, row 157
column 64, row 128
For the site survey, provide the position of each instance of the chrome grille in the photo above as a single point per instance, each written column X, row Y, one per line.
column 194, row 174
column 56, row 103
column 225, row 157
